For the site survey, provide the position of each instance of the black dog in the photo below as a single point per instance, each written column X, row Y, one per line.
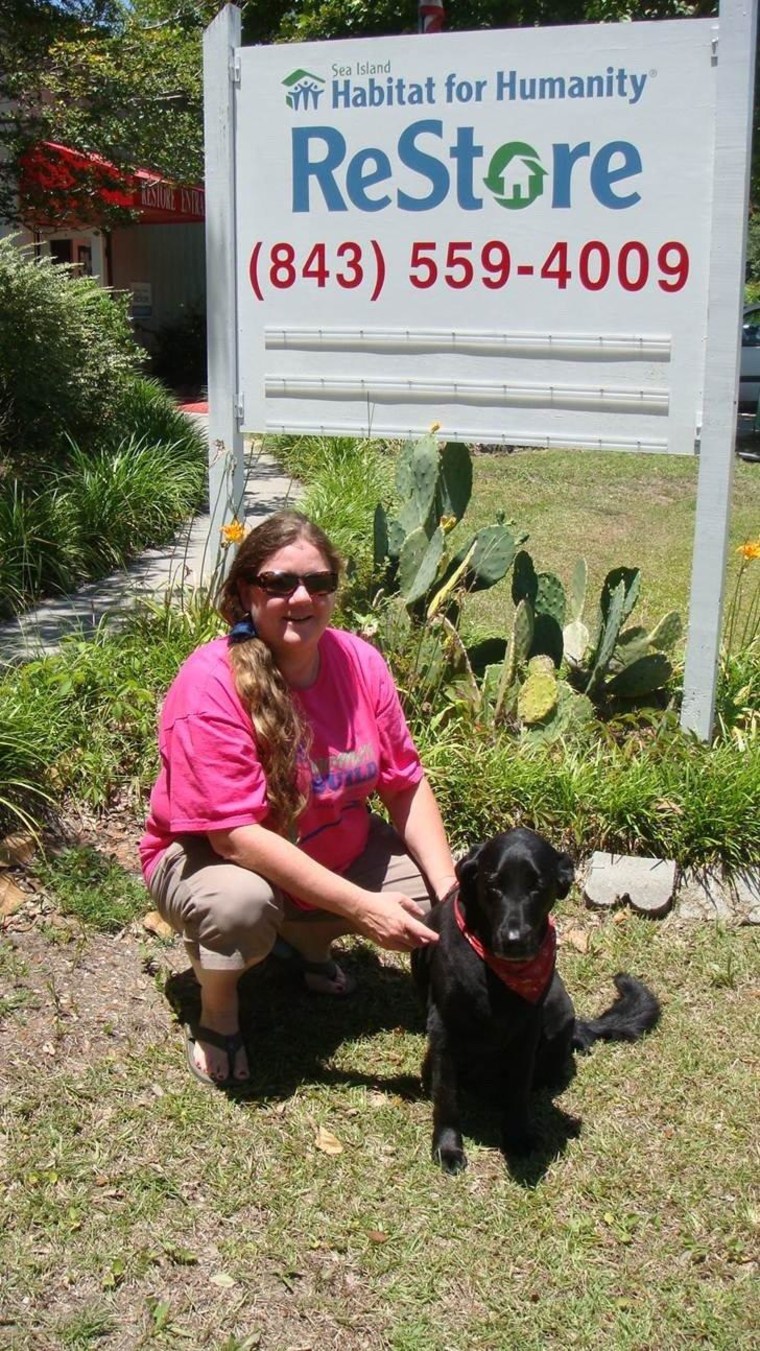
column 498, row 1011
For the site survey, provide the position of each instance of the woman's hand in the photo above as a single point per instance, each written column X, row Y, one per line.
column 393, row 921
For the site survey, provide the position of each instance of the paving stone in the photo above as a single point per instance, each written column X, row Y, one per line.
column 714, row 894
column 646, row 884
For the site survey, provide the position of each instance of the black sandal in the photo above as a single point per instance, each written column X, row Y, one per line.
column 230, row 1044
column 328, row 978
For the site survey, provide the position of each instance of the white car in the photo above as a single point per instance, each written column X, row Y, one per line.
column 749, row 371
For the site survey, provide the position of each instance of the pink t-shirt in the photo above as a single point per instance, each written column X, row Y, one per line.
column 211, row 778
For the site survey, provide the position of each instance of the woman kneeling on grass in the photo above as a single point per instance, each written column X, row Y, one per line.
column 272, row 739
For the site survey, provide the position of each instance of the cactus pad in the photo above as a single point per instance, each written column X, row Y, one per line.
column 524, row 579
column 572, row 713
column 424, row 469
column 491, row 558
column 631, row 580
column 642, row 677
column 379, row 536
column 577, row 595
column 550, row 597
column 522, row 632
column 419, row 563
column 396, row 537
column 541, row 663
column 612, row 618
column 537, row 697
column 666, row 634
column 454, row 480
column 410, row 559
column 575, row 641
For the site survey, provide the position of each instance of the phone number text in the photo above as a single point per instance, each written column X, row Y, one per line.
column 460, row 264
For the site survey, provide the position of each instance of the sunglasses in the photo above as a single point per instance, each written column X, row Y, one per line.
column 285, row 583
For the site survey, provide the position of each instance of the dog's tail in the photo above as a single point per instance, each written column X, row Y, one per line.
column 635, row 1012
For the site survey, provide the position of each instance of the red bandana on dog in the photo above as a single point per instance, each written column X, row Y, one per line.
column 529, row 979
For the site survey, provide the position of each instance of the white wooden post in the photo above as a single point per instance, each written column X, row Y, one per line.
column 735, row 54
column 226, row 469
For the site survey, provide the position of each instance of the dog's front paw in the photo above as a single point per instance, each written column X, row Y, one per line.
column 449, row 1152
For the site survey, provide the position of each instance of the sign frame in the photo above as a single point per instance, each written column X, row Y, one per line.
column 734, row 36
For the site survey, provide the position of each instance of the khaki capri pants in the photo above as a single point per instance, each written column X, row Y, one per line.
column 229, row 917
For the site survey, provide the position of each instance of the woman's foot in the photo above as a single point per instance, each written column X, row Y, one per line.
column 327, row 978
column 216, row 1051
column 321, row 975
column 219, row 1056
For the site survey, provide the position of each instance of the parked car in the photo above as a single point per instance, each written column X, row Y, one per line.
column 749, row 370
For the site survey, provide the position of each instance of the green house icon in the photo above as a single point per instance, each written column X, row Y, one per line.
column 515, row 175
column 304, row 90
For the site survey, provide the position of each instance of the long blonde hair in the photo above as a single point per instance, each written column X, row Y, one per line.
column 280, row 731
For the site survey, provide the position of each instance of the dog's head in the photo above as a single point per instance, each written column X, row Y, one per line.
column 508, row 886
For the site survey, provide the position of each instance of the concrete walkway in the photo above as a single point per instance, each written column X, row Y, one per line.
column 181, row 565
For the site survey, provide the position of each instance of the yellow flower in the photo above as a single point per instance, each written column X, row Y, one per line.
column 233, row 532
column 447, row 523
column 435, row 426
column 749, row 550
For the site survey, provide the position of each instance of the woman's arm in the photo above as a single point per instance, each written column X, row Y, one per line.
column 417, row 818
column 389, row 919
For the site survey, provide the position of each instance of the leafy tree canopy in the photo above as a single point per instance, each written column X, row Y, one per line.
column 123, row 78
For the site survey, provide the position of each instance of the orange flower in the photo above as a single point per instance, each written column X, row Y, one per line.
column 233, row 533
column 435, row 426
column 749, row 550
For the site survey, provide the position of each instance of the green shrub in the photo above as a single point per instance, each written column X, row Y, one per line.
column 147, row 413
column 664, row 795
column 66, row 353
column 121, row 501
column 99, row 510
column 23, row 770
column 38, row 548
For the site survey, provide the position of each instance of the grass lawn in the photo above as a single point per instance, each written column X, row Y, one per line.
column 139, row 1209
column 611, row 508
column 142, row 1210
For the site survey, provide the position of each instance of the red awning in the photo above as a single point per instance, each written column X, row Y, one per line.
column 54, row 179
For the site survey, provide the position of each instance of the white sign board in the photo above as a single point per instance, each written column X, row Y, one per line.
column 505, row 232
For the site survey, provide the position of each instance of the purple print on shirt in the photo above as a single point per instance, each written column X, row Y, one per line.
column 342, row 769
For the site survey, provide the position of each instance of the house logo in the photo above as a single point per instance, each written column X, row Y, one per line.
column 304, row 90
column 515, row 175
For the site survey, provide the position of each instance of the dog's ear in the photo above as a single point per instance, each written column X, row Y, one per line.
column 467, row 869
column 565, row 874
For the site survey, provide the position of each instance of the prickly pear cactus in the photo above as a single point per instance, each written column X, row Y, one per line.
column 537, row 697
column 380, row 536
column 575, row 642
column 434, row 485
column 612, row 619
column 577, row 593
column 491, row 558
column 418, row 563
column 522, row 632
column 666, row 634
column 550, row 597
column 631, row 581
column 454, row 487
column 572, row 714
column 643, row 676
column 540, row 664
column 524, row 579
column 418, row 477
